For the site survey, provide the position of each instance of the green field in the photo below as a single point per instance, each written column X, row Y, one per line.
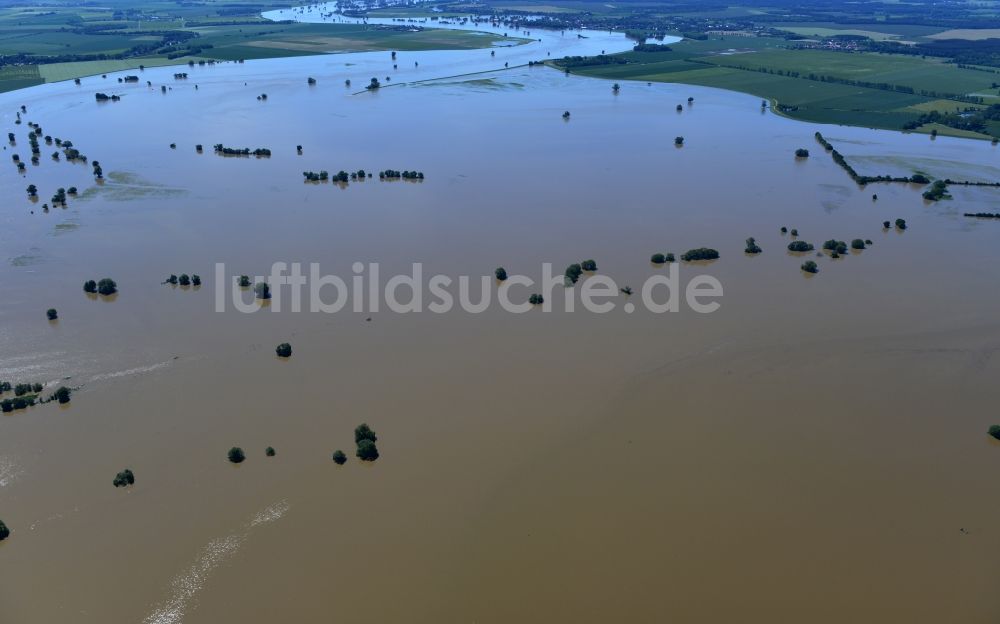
column 77, row 41
column 736, row 64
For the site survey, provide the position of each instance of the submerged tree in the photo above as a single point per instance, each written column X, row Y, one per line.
column 573, row 273
column 364, row 432
column 124, row 478
column 90, row 286
column 339, row 457
column 4, row 531
column 752, row 247
column 994, row 431
column 52, row 314
column 284, row 350
column 262, row 290
column 800, row 246
column 701, row 253
column 107, row 286
column 536, row 299
column 802, row 153
column 367, row 451
column 810, row 267
column 588, row 265
column 62, row 395
column 269, row 451
column 501, row 273
column 236, row 455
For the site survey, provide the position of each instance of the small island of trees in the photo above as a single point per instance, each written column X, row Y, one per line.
column 701, row 253
column 799, row 246
column 106, row 287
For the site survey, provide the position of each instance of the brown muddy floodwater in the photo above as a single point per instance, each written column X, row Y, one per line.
column 814, row 451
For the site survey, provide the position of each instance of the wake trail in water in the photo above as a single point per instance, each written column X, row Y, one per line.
column 185, row 586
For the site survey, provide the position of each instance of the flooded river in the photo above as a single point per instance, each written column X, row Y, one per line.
column 813, row 451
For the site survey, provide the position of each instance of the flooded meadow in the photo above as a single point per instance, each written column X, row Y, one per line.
column 813, row 451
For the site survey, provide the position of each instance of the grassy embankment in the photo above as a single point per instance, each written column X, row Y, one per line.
column 53, row 31
column 760, row 66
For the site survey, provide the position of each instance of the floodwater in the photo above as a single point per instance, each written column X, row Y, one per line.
column 813, row 451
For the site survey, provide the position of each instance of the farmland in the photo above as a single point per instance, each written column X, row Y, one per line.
column 816, row 85
column 39, row 45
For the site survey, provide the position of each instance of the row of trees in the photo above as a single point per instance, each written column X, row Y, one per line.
column 863, row 180
column 222, row 150
column 29, row 399
column 183, row 280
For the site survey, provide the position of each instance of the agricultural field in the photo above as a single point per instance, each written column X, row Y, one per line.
column 48, row 44
column 761, row 67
